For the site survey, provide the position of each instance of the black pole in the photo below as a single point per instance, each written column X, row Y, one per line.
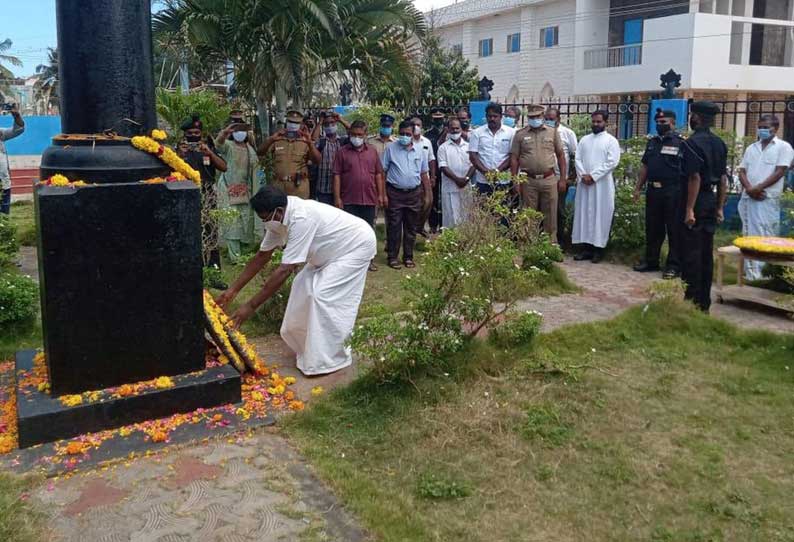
column 105, row 66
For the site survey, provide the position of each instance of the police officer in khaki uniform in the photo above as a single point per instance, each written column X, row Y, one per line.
column 536, row 151
column 292, row 149
column 384, row 137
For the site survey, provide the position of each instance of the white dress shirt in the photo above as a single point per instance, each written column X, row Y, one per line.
column 454, row 156
column 569, row 143
column 493, row 148
column 761, row 163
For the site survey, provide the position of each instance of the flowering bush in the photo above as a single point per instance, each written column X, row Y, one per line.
column 517, row 329
column 8, row 241
column 18, row 298
column 467, row 283
column 542, row 253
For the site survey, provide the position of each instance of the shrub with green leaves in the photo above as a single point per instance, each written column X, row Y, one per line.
column 516, row 330
column 271, row 314
column 371, row 115
column 433, row 487
column 8, row 241
column 19, row 299
column 542, row 253
column 628, row 224
column 466, row 284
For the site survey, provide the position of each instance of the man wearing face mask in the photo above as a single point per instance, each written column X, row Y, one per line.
column 335, row 249
column 456, row 173
column 661, row 172
column 535, row 151
column 292, row 149
column 202, row 157
column 434, row 135
column 236, row 186
column 422, row 143
column 384, row 137
column 569, row 144
column 358, row 178
column 511, row 117
column 762, row 173
column 597, row 157
column 489, row 148
column 705, row 167
column 328, row 145
column 408, row 193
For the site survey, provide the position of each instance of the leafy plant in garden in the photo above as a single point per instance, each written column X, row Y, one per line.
column 173, row 107
column 517, row 329
column 18, row 298
column 8, row 241
column 466, row 284
column 628, row 224
column 371, row 115
column 271, row 313
column 541, row 253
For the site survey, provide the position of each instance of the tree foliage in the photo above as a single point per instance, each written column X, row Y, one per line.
column 173, row 107
column 5, row 73
column 45, row 89
column 440, row 75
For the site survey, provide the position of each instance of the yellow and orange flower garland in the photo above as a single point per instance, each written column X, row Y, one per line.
column 222, row 326
column 776, row 246
column 174, row 177
column 167, row 155
column 62, row 180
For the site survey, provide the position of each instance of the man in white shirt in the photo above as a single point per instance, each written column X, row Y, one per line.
column 762, row 173
column 336, row 248
column 569, row 144
column 598, row 155
column 5, row 168
column 456, row 173
column 489, row 148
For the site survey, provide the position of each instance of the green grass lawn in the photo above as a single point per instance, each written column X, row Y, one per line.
column 661, row 425
column 23, row 220
column 19, row 520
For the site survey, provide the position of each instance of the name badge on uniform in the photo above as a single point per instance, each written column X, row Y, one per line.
column 669, row 150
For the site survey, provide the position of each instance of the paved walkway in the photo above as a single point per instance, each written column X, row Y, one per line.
column 255, row 487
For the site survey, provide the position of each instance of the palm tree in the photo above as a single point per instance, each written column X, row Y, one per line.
column 281, row 49
column 6, row 76
column 45, row 90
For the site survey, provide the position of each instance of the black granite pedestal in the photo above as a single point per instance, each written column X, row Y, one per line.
column 121, row 283
column 44, row 418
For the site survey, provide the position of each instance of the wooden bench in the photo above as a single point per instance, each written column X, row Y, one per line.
column 744, row 292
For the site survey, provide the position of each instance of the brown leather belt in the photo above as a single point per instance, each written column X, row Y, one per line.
column 540, row 176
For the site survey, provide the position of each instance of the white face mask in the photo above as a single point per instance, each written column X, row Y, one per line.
column 454, row 137
column 356, row 141
column 293, row 126
column 239, row 136
column 417, row 131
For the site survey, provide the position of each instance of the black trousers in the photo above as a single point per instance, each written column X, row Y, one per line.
column 697, row 251
column 563, row 236
column 435, row 209
column 663, row 218
column 402, row 221
column 364, row 212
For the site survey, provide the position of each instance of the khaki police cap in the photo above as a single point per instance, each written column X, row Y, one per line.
column 535, row 110
column 294, row 116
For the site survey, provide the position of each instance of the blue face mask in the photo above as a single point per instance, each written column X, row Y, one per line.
column 385, row 130
column 535, row 123
column 764, row 133
column 550, row 123
column 509, row 121
column 404, row 140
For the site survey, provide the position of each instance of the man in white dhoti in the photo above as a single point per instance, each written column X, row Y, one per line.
column 456, row 174
column 596, row 157
column 336, row 248
column 761, row 173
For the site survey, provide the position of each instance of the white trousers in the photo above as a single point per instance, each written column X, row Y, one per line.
column 758, row 218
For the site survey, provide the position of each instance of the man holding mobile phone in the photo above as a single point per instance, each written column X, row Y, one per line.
column 5, row 166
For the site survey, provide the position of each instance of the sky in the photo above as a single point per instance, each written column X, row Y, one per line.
column 30, row 25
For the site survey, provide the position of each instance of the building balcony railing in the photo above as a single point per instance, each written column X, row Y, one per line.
column 613, row 57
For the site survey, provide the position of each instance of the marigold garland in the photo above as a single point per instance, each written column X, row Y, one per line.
column 167, row 155
column 174, row 177
column 232, row 338
column 215, row 318
column 159, row 135
column 62, row 180
column 777, row 246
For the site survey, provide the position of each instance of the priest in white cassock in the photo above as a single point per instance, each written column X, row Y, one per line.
column 336, row 248
column 597, row 156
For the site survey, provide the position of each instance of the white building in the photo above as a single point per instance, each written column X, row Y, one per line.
column 607, row 49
